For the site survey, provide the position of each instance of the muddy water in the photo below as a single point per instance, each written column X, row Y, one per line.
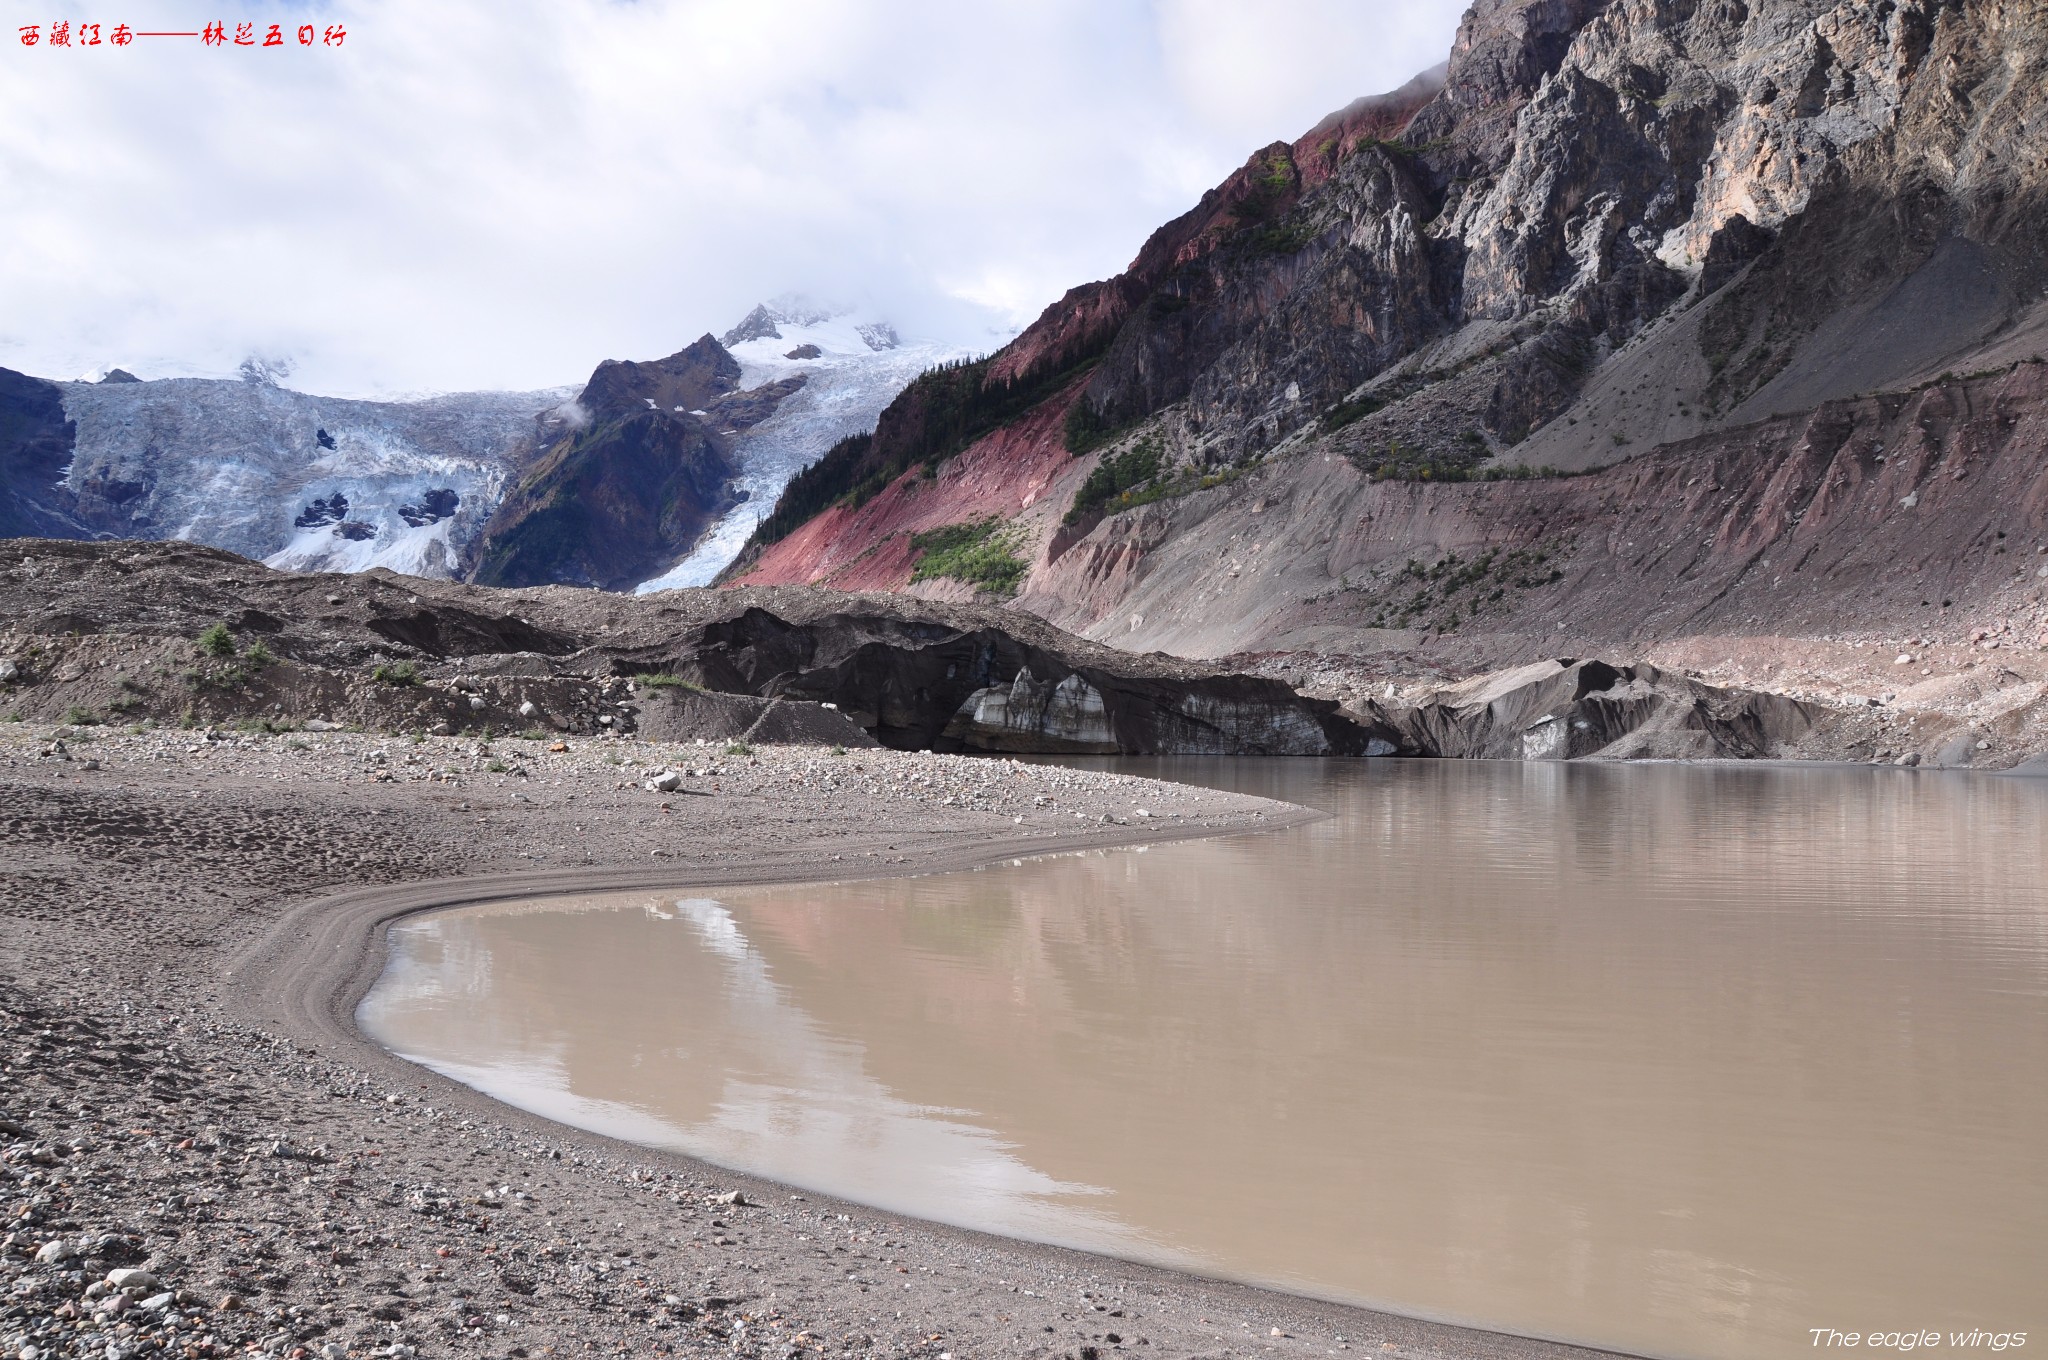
column 1680, row 1061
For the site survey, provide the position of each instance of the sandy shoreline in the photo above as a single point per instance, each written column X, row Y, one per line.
column 187, row 931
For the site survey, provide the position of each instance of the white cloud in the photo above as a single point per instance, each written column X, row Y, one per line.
column 474, row 193
column 1260, row 73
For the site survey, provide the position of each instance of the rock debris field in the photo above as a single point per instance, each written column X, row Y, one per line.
column 190, row 1167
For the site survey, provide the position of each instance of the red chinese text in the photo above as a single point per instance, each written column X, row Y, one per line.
column 75, row 34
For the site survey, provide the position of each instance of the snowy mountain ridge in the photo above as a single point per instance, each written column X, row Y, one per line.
column 853, row 365
column 311, row 483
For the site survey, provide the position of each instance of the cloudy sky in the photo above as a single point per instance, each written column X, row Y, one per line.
column 499, row 193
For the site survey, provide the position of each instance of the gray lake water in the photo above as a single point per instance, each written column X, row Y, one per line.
column 1676, row 1060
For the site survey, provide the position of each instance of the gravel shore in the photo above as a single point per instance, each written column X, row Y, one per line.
column 200, row 1156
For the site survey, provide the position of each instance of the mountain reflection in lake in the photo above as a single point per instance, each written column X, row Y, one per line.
column 1686, row 1061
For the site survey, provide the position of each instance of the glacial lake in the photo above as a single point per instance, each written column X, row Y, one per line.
column 1681, row 1061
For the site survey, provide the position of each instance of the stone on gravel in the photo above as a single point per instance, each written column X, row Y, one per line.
column 668, row 781
column 52, row 1252
column 137, row 1280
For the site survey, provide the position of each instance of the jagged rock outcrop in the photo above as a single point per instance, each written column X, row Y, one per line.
column 610, row 511
column 744, row 410
column 765, row 322
column 631, row 474
column 1609, row 230
column 693, row 377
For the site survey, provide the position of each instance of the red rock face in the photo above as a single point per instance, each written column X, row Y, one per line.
column 1003, row 474
column 1375, row 118
column 1082, row 320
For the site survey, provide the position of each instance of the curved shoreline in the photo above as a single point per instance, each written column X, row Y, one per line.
column 198, row 1023
column 310, row 973
column 312, row 968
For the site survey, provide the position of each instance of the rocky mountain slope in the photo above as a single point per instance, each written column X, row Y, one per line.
column 1768, row 275
column 626, row 476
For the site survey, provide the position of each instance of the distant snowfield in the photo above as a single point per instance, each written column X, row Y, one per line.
column 847, row 386
column 299, row 482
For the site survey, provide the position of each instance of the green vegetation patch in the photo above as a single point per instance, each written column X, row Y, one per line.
column 1445, row 593
column 1115, row 480
column 982, row 553
column 1285, row 237
column 399, row 673
column 1269, row 192
column 1398, row 461
column 216, row 641
column 656, row 680
column 1348, row 412
column 1139, row 476
column 1087, row 429
column 222, row 666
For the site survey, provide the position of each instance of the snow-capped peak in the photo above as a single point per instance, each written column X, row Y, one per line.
column 780, row 329
column 853, row 364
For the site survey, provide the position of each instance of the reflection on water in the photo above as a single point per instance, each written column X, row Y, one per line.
column 1677, row 1060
